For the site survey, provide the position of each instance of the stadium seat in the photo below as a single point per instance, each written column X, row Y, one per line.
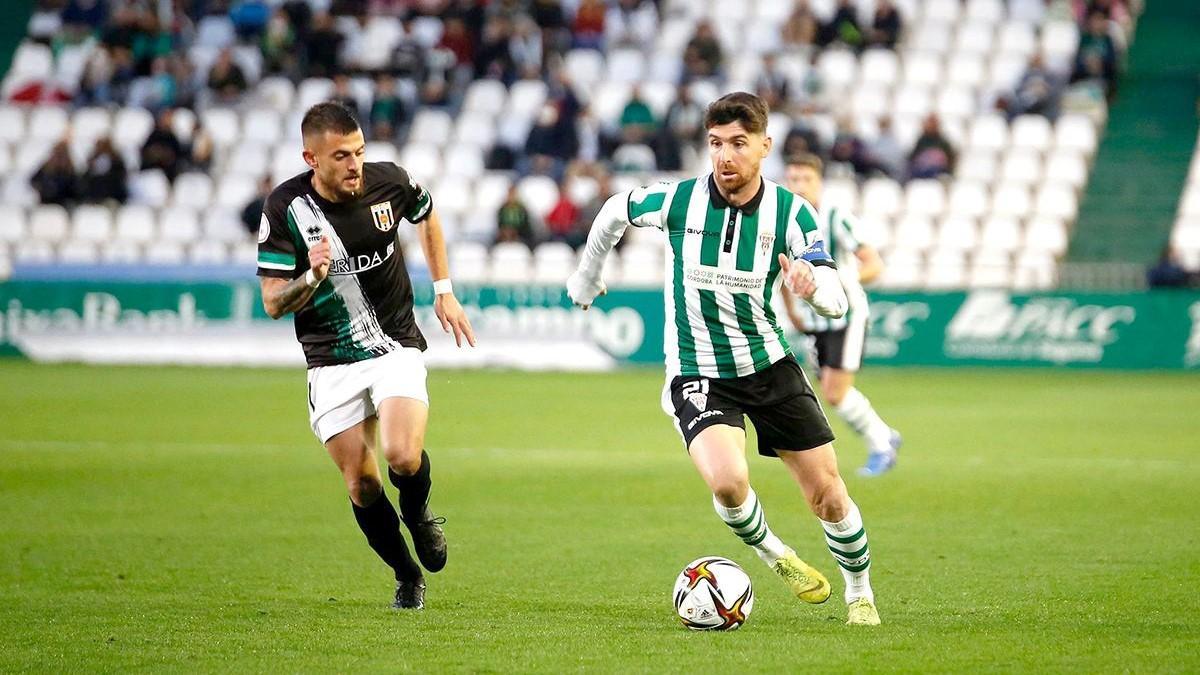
column 223, row 125
column 1017, row 38
column 985, row 11
column 1057, row 201
column 183, row 123
column 1012, row 200
column 426, row 31
column 584, row 68
column 988, row 131
column 933, row 36
column 136, row 224
column 967, row 71
column 974, row 37
column 1034, row 270
column 49, row 223
column 968, row 198
column 381, row 151
column 12, row 223
column 162, row 252
column 263, row 125
column 208, row 252
column 453, row 195
column 464, row 160
column 48, row 123
column 912, row 100
column 957, row 233
column 947, row 11
column 91, row 123
column 224, row 225
column 91, row 224
column 33, row 252
column 913, row 232
column 538, row 193
column 18, row 191
column 1068, row 168
column 1046, row 234
column 839, row 67
column 193, row 189
column 582, row 189
column 276, row 92
column 475, row 128
column 469, row 260
column 1021, row 167
column 478, row 225
column 121, row 252
column 12, row 123
column 1075, row 132
column 178, row 223
column 245, row 255
column 871, row 100
column 553, row 262
column 432, row 126
column 510, row 263
column 923, row 69
column 641, row 266
column 215, row 30
column 608, row 101
column 491, row 190
column 1032, row 132
column 626, row 65
column 840, row 192
column 312, row 91
column 953, row 103
column 1000, row 233
column 1059, row 42
column 977, row 165
column 486, row 96
column 422, row 160
column 945, row 269
column 762, row 36
column 881, row 197
column 77, row 252
column 925, row 197
column 903, row 270
column 990, row 269
column 879, row 67
column 1005, row 72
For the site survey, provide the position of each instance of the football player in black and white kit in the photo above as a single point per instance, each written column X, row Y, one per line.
column 328, row 252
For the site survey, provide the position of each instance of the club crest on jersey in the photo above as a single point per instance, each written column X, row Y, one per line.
column 766, row 241
column 381, row 213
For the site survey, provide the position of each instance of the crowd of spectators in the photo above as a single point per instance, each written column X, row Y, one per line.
column 163, row 60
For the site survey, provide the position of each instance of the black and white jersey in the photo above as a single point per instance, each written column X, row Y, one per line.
column 365, row 308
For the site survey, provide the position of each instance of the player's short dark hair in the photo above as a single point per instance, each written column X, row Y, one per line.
column 739, row 106
column 328, row 116
column 807, row 159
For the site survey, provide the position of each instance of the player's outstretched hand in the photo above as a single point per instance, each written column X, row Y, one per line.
column 319, row 259
column 584, row 292
column 798, row 276
column 453, row 318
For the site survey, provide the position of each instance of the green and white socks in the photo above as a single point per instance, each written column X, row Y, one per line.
column 847, row 541
column 857, row 412
column 749, row 523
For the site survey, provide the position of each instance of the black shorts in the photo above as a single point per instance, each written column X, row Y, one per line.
column 779, row 402
column 843, row 348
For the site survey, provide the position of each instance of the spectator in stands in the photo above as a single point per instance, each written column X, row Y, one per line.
column 1096, row 46
column 588, row 212
column 802, row 27
column 546, row 148
column 492, row 58
column 811, row 95
column 387, row 110
column 342, row 94
column 637, row 122
column 226, row 79
column 249, row 18
column 681, row 132
column 200, row 151
column 104, row 176
column 513, row 222
column 88, row 15
column 163, row 149
column 843, row 27
column 278, row 45
column 849, row 154
column 631, row 23
column 56, row 182
column 253, row 212
column 885, row 27
column 773, row 85
column 932, row 155
column 525, row 48
column 1037, row 93
column 588, row 28
column 563, row 219
column 887, row 155
column 1115, row 11
column 1169, row 272
column 457, row 39
column 703, row 56
column 157, row 91
column 802, row 139
column 321, row 47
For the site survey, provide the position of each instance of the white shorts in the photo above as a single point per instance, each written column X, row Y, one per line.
column 343, row 395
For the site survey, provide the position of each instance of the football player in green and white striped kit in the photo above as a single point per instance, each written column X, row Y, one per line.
column 838, row 343
column 732, row 235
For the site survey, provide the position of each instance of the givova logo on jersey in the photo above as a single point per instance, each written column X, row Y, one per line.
column 362, row 262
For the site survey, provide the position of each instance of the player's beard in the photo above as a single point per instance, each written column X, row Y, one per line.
column 739, row 181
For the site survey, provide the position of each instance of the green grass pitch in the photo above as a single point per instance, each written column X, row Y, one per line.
column 186, row 520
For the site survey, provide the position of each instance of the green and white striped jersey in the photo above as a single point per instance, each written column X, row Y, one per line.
column 722, row 264
column 838, row 228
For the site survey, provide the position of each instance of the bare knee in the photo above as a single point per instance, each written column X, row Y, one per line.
column 403, row 457
column 364, row 490
column 829, row 500
column 731, row 489
column 833, row 394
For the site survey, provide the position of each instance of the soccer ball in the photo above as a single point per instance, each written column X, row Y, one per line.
column 713, row 593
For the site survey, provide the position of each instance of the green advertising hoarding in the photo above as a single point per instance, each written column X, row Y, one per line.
column 1150, row 330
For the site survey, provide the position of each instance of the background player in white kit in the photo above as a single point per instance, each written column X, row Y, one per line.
column 838, row 342
column 731, row 233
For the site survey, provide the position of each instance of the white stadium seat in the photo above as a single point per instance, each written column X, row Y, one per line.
column 914, row 232
column 485, row 96
column 1046, row 234
column 49, row 223
column 990, row 269
column 78, row 252
column 432, row 126
column 12, row 123
column 48, row 123
column 1057, row 201
column 178, row 223
column 510, row 263
column 91, row 224
column 968, row 198
column 925, row 197
column 1011, row 200
column 136, row 224
column 1075, row 132
column 1031, row 131
column 880, row 67
column 976, row 165
column 192, row 189
column 881, row 197
column 974, row 37
column 164, row 252
column 1067, row 167
column 553, row 262
column 12, row 223
column 923, row 68
column 469, row 260
column 538, row 193
column 957, row 233
column 945, row 269
column 1022, row 167
column 947, row 11
column 208, row 252
column 988, row 131
column 1034, row 270
column 1000, row 233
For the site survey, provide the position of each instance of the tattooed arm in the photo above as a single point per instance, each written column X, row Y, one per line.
column 281, row 296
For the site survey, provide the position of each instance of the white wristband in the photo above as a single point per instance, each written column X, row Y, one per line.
column 442, row 286
column 311, row 279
